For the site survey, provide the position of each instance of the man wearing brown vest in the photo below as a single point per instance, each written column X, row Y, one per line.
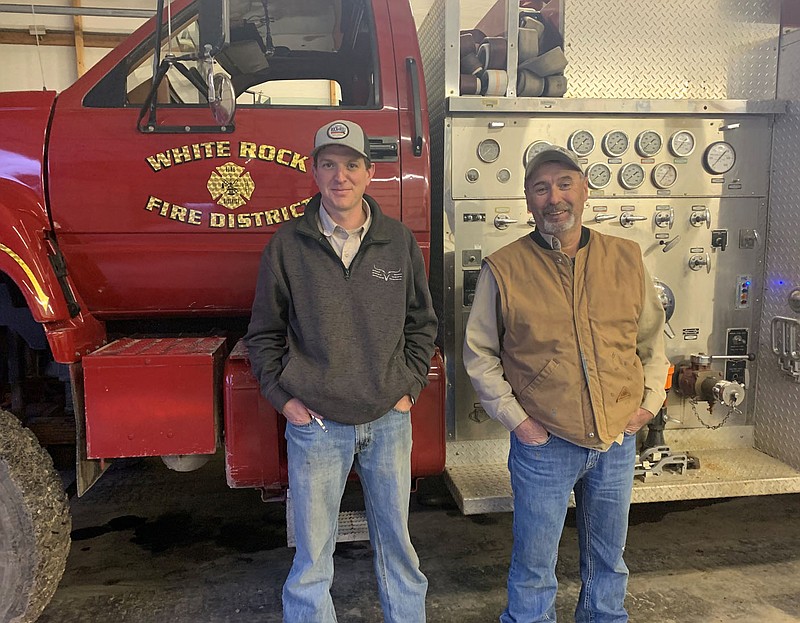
column 564, row 346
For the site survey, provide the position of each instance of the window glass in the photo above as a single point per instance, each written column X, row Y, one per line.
column 315, row 53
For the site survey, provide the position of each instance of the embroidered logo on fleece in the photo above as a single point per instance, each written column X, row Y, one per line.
column 387, row 275
column 624, row 394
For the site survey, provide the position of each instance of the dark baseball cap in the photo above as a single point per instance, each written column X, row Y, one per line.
column 554, row 153
column 345, row 133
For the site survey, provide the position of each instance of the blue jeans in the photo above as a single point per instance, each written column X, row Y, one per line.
column 541, row 479
column 319, row 463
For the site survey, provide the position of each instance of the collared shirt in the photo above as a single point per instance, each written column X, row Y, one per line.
column 554, row 242
column 483, row 344
column 345, row 242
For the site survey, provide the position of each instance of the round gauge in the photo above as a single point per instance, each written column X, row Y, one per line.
column 631, row 176
column 503, row 175
column 719, row 157
column 649, row 143
column 682, row 143
column 472, row 175
column 615, row 143
column 665, row 175
column 533, row 149
column 488, row 150
column 599, row 175
column 581, row 142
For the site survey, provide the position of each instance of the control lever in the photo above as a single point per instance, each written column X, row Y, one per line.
column 696, row 262
column 627, row 219
column 502, row 221
column 604, row 217
column 668, row 245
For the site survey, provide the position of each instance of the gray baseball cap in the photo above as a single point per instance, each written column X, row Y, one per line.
column 341, row 132
column 554, row 153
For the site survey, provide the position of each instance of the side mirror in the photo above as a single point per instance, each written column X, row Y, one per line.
column 221, row 98
column 214, row 25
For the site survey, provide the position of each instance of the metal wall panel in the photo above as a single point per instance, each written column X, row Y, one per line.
column 777, row 425
column 683, row 49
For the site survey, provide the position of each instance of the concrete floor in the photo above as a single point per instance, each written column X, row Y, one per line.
column 153, row 546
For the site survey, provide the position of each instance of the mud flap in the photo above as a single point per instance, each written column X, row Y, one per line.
column 87, row 471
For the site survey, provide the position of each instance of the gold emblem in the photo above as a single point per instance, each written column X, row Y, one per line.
column 230, row 185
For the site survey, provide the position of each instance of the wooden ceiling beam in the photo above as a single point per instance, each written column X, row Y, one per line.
column 62, row 38
column 77, row 28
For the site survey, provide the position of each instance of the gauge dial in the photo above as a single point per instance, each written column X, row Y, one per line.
column 488, row 150
column 503, row 175
column 631, row 176
column 599, row 175
column 615, row 143
column 533, row 149
column 649, row 143
column 719, row 157
column 665, row 175
column 682, row 143
column 581, row 142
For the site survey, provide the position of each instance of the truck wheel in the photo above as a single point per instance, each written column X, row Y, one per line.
column 34, row 524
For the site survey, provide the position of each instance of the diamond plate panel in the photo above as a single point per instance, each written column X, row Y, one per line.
column 715, row 49
column 479, row 451
column 777, row 424
column 723, row 473
column 432, row 50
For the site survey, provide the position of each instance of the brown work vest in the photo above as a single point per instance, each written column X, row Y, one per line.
column 569, row 343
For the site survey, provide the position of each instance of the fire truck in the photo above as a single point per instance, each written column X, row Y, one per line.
column 135, row 205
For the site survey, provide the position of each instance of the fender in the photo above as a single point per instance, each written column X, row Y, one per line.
column 26, row 243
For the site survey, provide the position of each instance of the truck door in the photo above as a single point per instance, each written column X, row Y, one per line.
column 173, row 222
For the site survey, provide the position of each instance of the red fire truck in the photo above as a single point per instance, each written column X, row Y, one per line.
column 133, row 219
column 135, row 204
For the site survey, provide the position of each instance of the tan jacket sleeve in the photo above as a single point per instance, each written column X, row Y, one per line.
column 482, row 354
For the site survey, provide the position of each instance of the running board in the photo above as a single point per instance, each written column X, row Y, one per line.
column 482, row 485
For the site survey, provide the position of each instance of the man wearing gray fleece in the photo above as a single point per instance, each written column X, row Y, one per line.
column 340, row 338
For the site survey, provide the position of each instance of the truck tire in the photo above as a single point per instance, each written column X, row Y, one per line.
column 34, row 524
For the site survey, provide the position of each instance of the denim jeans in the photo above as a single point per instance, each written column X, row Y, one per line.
column 319, row 463
column 541, row 478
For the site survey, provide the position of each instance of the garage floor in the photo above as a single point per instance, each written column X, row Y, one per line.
column 151, row 545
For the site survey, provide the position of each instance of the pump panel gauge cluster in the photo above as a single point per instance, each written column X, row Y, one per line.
column 671, row 155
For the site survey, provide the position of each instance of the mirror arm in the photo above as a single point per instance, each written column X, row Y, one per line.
column 157, row 50
column 150, row 103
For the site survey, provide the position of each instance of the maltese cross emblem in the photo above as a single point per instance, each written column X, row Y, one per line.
column 230, row 185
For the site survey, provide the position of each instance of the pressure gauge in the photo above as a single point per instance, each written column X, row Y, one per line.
column 665, row 175
column 581, row 142
column 649, row 143
column 682, row 143
column 488, row 150
column 631, row 176
column 719, row 157
column 533, row 149
column 615, row 143
column 599, row 175
column 503, row 176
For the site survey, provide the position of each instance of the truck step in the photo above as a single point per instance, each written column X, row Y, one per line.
column 352, row 525
column 485, row 486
